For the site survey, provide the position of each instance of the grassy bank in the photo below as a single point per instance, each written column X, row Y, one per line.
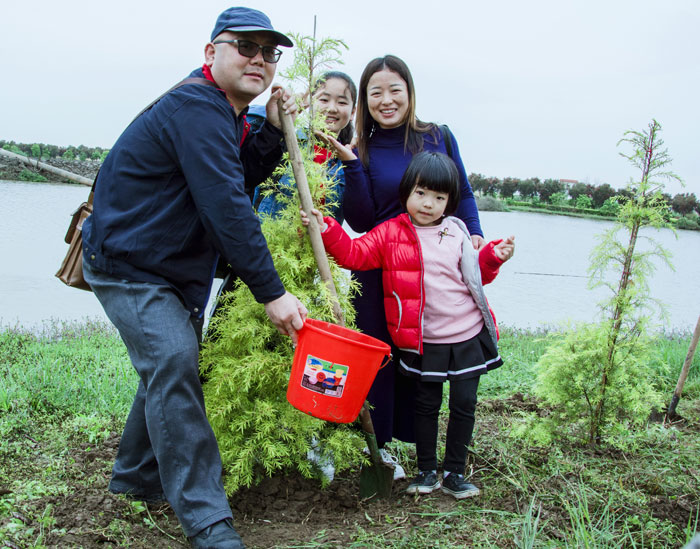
column 492, row 204
column 64, row 396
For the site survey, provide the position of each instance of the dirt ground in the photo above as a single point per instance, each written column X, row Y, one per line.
column 286, row 511
column 277, row 513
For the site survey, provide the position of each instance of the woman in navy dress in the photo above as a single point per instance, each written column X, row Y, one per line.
column 388, row 135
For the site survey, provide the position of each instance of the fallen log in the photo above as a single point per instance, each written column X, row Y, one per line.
column 47, row 167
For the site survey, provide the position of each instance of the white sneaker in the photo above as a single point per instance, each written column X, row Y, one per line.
column 325, row 464
column 387, row 458
column 399, row 473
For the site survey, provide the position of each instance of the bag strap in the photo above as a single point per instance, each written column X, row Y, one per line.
column 447, row 138
column 192, row 80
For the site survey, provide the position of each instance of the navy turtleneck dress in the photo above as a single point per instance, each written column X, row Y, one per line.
column 371, row 197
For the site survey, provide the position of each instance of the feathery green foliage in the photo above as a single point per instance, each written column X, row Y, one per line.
column 598, row 377
column 568, row 379
column 312, row 57
column 247, row 362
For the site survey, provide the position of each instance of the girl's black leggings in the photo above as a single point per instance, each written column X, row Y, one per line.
column 459, row 427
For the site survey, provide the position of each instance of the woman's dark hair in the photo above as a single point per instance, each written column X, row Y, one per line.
column 346, row 134
column 433, row 171
column 413, row 139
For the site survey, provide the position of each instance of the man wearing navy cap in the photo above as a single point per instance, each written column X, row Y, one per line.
column 171, row 196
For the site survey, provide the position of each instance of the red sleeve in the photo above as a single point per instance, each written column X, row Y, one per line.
column 358, row 254
column 489, row 262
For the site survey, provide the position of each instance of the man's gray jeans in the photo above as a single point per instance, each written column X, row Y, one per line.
column 168, row 446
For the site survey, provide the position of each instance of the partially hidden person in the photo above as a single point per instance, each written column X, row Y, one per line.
column 389, row 134
column 335, row 97
column 170, row 197
column 436, row 309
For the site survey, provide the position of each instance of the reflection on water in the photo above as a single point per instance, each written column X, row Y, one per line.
column 35, row 217
column 544, row 284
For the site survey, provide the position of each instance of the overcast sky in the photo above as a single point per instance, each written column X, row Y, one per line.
column 539, row 88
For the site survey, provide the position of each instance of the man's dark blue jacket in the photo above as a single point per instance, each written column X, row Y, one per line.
column 173, row 193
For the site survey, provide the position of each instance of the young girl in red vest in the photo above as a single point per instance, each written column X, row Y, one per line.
column 436, row 310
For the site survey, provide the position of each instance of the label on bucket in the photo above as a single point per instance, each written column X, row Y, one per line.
column 324, row 377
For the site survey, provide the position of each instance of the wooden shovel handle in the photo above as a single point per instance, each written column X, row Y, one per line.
column 366, row 419
column 295, row 159
column 307, row 204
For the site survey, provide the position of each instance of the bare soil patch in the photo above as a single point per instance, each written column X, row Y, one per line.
column 290, row 511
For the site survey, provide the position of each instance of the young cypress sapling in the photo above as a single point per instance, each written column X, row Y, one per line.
column 246, row 361
column 598, row 377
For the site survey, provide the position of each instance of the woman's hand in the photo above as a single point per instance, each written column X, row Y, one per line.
column 478, row 241
column 344, row 152
column 319, row 219
column 504, row 250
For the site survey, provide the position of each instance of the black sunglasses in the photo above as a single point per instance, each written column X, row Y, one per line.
column 250, row 49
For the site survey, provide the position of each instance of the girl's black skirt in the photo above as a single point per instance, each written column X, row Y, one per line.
column 452, row 361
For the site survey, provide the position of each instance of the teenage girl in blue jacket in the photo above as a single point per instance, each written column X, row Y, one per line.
column 336, row 97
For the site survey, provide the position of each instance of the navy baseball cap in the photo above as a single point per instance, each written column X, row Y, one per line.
column 247, row 20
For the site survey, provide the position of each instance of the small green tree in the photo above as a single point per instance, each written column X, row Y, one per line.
column 558, row 199
column 598, row 377
column 478, row 182
column 550, row 187
column 578, row 189
column 247, row 362
column 493, row 186
column 611, row 206
column 583, row 202
column 29, row 175
column 601, row 193
column 684, row 203
column 508, row 187
column 527, row 188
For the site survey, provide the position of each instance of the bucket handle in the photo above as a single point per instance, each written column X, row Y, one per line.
column 388, row 358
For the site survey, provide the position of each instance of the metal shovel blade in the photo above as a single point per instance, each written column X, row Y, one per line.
column 376, row 478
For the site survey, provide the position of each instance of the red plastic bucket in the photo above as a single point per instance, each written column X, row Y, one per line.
column 333, row 369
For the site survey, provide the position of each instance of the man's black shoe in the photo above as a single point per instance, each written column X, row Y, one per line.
column 220, row 535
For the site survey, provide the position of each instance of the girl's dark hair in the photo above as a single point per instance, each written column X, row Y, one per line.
column 433, row 171
column 413, row 138
column 346, row 134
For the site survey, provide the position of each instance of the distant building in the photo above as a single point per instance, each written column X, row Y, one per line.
column 568, row 183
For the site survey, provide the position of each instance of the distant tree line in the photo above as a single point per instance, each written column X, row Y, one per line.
column 44, row 152
column 579, row 195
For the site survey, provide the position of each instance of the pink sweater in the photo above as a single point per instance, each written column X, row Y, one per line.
column 451, row 315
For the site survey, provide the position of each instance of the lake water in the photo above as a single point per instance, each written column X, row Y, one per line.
column 544, row 284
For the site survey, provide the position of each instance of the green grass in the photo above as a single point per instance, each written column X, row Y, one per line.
column 520, row 350
column 69, row 368
column 71, row 386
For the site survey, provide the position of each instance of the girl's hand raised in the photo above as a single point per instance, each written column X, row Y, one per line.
column 319, row 219
column 504, row 250
column 344, row 152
